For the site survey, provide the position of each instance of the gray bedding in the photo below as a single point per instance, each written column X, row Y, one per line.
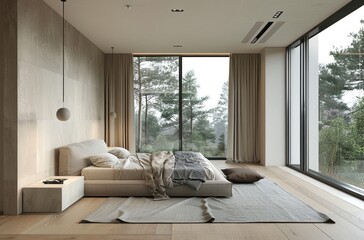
column 163, row 170
column 188, row 169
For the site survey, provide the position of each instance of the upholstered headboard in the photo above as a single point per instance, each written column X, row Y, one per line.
column 74, row 157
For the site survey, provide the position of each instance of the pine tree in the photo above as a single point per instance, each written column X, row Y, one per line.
column 344, row 74
column 220, row 116
column 152, row 76
column 196, row 128
column 342, row 128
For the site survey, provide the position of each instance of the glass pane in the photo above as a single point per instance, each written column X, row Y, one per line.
column 205, row 104
column 337, row 75
column 295, row 102
column 313, row 105
column 156, row 103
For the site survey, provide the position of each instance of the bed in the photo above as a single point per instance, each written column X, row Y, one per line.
column 74, row 160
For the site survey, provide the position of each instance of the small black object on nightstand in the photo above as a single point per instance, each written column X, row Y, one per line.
column 54, row 181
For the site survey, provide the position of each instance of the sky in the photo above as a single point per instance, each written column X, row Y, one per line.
column 338, row 34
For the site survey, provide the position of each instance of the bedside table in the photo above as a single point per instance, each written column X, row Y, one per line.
column 40, row 197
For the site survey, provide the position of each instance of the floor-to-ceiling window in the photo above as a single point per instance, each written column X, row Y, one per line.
column 333, row 101
column 181, row 103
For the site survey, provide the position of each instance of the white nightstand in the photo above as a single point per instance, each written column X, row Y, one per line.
column 40, row 197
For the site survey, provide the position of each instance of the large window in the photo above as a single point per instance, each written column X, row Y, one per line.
column 338, row 56
column 333, row 103
column 181, row 103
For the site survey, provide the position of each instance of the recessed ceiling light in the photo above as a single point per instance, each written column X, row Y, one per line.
column 277, row 14
column 177, row 46
column 177, row 10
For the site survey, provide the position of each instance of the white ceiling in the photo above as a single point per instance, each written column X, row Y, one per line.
column 205, row 26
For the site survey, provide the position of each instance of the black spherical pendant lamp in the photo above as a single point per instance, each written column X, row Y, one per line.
column 63, row 114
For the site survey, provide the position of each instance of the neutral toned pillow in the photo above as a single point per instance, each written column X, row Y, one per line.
column 242, row 175
column 105, row 160
column 120, row 152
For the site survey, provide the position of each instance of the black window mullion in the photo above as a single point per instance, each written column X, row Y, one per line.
column 302, row 107
column 288, row 107
column 304, row 119
column 180, row 103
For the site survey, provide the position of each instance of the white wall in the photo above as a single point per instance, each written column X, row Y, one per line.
column 272, row 115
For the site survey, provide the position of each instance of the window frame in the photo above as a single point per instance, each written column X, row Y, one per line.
column 180, row 79
column 304, row 161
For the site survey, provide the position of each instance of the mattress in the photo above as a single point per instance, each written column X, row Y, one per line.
column 129, row 169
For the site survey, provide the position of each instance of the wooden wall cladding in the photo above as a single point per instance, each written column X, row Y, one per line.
column 40, row 90
column 8, row 107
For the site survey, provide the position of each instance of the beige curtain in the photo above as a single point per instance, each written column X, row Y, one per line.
column 244, row 78
column 119, row 99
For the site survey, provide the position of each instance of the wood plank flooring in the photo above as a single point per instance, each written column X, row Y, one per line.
column 346, row 211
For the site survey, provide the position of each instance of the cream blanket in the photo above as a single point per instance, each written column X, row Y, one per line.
column 158, row 169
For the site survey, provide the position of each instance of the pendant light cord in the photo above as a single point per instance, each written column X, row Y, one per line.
column 112, row 79
column 63, row 56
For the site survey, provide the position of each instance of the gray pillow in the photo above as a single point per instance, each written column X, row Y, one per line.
column 242, row 175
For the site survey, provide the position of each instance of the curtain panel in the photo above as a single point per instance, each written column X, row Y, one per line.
column 119, row 98
column 244, row 76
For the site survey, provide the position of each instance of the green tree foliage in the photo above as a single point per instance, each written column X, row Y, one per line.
column 358, row 122
column 197, row 132
column 344, row 74
column 337, row 143
column 193, row 109
column 152, row 76
column 331, row 91
column 220, row 119
column 341, row 140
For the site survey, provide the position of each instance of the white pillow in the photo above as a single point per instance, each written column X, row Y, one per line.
column 105, row 160
column 120, row 152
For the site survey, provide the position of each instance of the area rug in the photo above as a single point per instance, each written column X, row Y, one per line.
column 260, row 202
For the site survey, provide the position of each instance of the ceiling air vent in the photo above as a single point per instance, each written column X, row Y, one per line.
column 271, row 32
column 265, row 28
column 262, row 32
column 252, row 31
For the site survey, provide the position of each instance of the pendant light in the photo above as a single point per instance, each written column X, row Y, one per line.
column 63, row 114
column 112, row 114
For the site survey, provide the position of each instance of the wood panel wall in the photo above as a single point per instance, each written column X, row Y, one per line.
column 8, row 106
column 38, row 95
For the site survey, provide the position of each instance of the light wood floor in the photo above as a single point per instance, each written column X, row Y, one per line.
column 346, row 211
